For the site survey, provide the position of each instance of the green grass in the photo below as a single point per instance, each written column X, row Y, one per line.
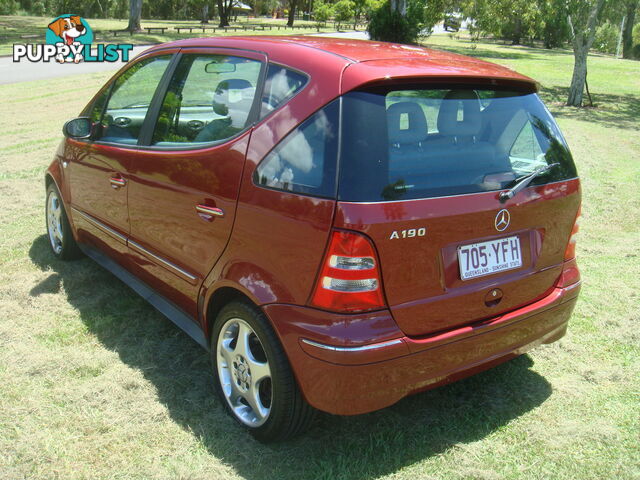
column 21, row 29
column 95, row 384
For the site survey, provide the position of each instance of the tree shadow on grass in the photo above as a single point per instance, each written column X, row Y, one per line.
column 360, row 447
column 481, row 52
column 615, row 111
column 507, row 51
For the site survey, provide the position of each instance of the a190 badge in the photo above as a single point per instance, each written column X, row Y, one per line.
column 410, row 233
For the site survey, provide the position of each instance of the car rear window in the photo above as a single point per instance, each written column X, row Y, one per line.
column 415, row 142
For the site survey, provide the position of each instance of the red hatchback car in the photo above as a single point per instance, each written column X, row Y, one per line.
column 340, row 223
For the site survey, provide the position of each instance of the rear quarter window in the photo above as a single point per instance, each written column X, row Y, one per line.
column 281, row 84
column 305, row 160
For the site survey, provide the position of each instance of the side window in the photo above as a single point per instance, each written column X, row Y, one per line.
column 129, row 101
column 209, row 99
column 280, row 85
column 305, row 161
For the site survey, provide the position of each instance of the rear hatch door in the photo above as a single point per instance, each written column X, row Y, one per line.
column 424, row 187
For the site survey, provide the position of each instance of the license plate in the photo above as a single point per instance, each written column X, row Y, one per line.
column 486, row 258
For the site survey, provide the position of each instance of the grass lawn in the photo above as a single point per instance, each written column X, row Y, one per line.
column 21, row 29
column 94, row 383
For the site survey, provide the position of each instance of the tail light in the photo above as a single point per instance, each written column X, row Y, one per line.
column 570, row 252
column 349, row 280
column 570, row 273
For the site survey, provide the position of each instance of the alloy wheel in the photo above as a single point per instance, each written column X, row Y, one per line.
column 54, row 222
column 244, row 372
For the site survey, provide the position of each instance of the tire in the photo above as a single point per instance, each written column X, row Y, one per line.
column 271, row 407
column 61, row 241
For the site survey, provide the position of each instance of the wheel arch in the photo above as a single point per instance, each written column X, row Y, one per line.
column 53, row 176
column 233, row 279
column 226, row 294
column 50, row 178
column 54, row 172
column 218, row 299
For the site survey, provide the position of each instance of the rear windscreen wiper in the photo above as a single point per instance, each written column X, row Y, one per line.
column 524, row 181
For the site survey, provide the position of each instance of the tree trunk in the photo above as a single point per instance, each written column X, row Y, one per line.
column 516, row 37
column 205, row 13
column 579, row 77
column 399, row 6
column 292, row 12
column 223, row 12
column 135, row 14
column 620, row 37
column 627, row 40
column 101, row 9
column 582, row 39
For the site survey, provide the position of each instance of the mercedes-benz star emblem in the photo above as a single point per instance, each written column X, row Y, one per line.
column 503, row 218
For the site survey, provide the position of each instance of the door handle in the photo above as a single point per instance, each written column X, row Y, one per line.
column 209, row 211
column 117, row 182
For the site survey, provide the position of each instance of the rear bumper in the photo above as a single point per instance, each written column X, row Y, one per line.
column 349, row 365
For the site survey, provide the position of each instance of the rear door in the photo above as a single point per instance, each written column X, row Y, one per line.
column 425, row 188
column 183, row 185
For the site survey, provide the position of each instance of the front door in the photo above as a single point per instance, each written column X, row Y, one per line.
column 183, row 186
column 97, row 169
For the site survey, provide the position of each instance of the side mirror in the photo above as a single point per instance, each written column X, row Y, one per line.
column 80, row 127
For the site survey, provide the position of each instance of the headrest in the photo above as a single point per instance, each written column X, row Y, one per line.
column 230, row 92
column 416, row 130
column 471, row 122
column 233, row 84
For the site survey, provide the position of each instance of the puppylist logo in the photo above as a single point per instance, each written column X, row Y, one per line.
column 68, row 40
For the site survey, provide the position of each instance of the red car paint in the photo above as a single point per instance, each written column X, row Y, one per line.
column 269, row 245
column 351, row 383
column 444, row 300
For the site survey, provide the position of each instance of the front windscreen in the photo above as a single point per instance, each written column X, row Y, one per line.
column 413, row 142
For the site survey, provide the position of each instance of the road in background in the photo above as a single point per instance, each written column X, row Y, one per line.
column 25, row 71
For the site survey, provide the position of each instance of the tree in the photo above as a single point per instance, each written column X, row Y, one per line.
column 513, row 20
column 403, row 21
column 390, row 23
column 583, row 21
column 205, row 13
column 8, row 7
column 135, row 15
column 321, row 13
column 627, row 32
column 399, row 6
column 202, row 8
column 343, row 11
column 361, row 7
column 555, row 28
column 293, row 4
column 225, row 9
column 432, row 14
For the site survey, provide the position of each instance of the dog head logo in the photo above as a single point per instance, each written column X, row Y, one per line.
column 69, row 30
